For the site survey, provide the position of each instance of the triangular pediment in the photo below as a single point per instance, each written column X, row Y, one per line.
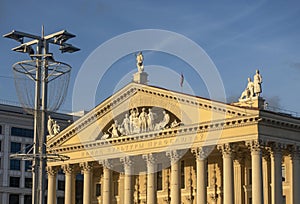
column 181, row 109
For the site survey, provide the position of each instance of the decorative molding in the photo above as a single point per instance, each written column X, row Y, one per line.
column 86, row 166
column 173, row 155
column 151, row 161
column 52, row 170
column 106, row 163
column 226, row 149
column 255, row 146
column 201, row 153
column 127, row 162
column 68, row 168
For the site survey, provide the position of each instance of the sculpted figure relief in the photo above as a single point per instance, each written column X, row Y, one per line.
column 139, row 122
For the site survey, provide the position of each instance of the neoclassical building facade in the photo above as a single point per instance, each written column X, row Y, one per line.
column 146, row 144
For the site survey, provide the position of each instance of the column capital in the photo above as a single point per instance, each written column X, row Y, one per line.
column 226, row 149
column 106, row 163
column 275, row 148
column 173, row 155
column 201, row 153
column 86, row 166
column 255, row 146
column 51, row 170
column 150, row 159
column 127, row 162
column 67, row 168
column 294, row 152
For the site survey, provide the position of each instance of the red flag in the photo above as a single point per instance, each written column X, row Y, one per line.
column 181, row 79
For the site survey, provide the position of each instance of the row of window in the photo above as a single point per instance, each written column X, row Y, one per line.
column 15, row 199
column 21, row 132
column 15, row 182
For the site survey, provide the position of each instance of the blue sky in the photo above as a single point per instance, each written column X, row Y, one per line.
column 239, row 37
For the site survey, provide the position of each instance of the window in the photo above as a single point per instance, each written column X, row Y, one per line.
column 22, row 132
column 15, row 164
column 0, row 129
column 28, row 182
column 0, row 144
column 182, row 176
column 283, row 172
column 15, row 147
column 28, row 165
column 14, row 181
column 98, row 189
column 159, row 177
column 61, row 185
column 13, row 199
column 27, row 199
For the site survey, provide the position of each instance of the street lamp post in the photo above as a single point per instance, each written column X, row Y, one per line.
column 41, row 69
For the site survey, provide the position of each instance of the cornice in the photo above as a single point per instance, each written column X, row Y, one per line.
column 182, row 130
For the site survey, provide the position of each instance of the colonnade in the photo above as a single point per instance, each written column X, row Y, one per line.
column 230, row 194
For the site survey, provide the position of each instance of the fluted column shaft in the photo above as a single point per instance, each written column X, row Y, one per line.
column 87, row 180
column 151, row 187
column 256, row 162
column 68, row 170
column 107, row 177
column 51, row 197
column 175, row 173
column 228, row 187
column 276, row 175
column 128, row 191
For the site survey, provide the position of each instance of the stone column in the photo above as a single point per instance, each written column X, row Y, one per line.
column 107, row 178
column 128, row 192
column 295, row 159
column 276, row 174
column 256, row 162
column 87, row 181
column 51, row 197
column 266, row 166
column 228, row 190
column 175, row 175
column 151, row 185
column 238, row 179
column 68, row 170
column 201, row 154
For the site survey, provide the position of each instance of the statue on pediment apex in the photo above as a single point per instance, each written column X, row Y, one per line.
column 139, row 62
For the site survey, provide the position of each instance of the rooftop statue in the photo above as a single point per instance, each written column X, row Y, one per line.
column 257, row 80
column 249, row 91
column 253, row 89
column 139, row 62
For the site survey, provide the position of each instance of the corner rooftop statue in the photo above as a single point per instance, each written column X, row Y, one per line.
column 140, row 77
column 251, row 95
